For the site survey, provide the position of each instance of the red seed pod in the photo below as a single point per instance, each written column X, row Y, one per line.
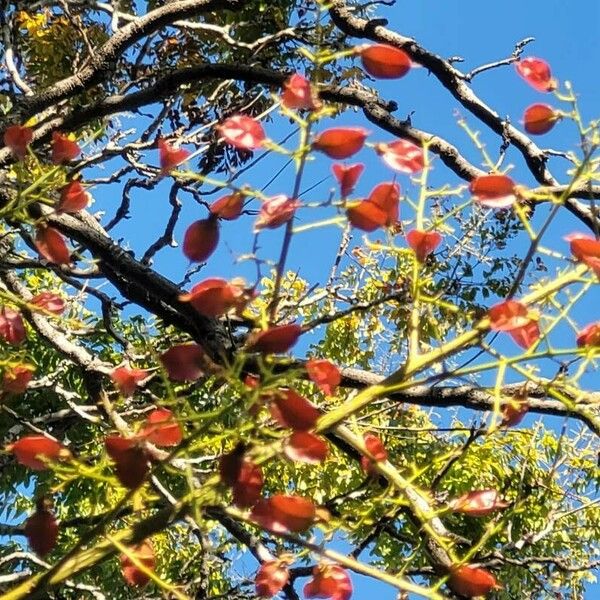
column 347, row 176
column 271, row 578
column 63, row 149
column 423, row 243
column 284, row 513
column 493, row 191
column 276, row 211
column 589, row 336
column 340, row 142
column 230, row 465
column 537, row 73
column 17, row 139
column 298, row 94
column 385, row 62
column 17, row 378
column 329, row 581
column 387, row 197
column 228, row 207
column 131, row 460
column 170, row 156
column 126, row 379
column 251, row 381
column 52, row 246
column 248, row 486
column 41, row 530
column 513, row 411
column 478, row 503
column 275, row 340
column 242, row 132
column 292, row 410
column 325, row 374
column 162, row 429
column 36, row 451
column 184, row 362
column 306, row 447
column 12, row 327
column 586, row 249
column 376, row 449
column 539, row 119
column 402, row 156
column 50, row 302
column 366, row 216
column 514, row 318
column 527, row 335
column 471, row 581
column 215, row 296
column 73, row 198
column 508, row 315
column 201, row 239
column 132, row 574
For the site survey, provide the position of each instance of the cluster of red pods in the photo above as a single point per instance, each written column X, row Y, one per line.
column 279, row 513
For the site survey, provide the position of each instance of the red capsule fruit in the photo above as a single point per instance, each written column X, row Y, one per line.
column 170, row 156
column 162, row 429
column 537, row 73
column 36, row 451
column 325, row 374
column 423, row 243
column 493, row 191
column 52, row 246
column 347, row 176
column 271, row 578
column 41, row 529
column 228, row 207
column 73, row 198
column 329, row 581
column 201, row 239
column 133, row 575
column 402, row 156
column 283, row 513
column 471, row 582
column 340, row 142
column 298, row 94
column 242, row 132
column 274, row 340
column 184, row 362
column 383, row 61
column 292, row 410
column 306, row 447
column 63, row 149
column 17, row 138
column 539, row 119
column 127, row 379
column 130, row 458
column 12, row 327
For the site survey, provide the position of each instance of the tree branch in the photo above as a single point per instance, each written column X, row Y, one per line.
column 102, row 63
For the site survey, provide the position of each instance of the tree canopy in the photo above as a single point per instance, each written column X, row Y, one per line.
column 186, row 412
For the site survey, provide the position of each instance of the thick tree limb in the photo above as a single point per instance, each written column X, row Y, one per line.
column 102, row 63
column 144, row 286
column 478, row 398
column 46, row 331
